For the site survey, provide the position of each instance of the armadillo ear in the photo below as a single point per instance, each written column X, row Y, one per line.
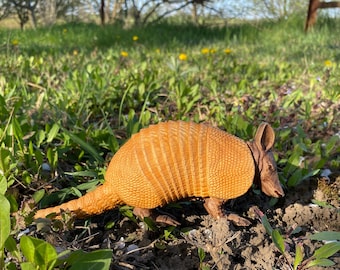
column 264, row 137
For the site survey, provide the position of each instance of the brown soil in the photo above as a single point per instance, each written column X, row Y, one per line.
column 225, row 246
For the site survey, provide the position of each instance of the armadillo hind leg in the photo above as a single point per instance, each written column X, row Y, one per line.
column 214, row 208
column 158, row 218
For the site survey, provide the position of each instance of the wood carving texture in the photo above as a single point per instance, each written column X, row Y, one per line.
column 167, row 162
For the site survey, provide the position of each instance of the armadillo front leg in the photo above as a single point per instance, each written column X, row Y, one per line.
column 151, row 213
column 214, row 208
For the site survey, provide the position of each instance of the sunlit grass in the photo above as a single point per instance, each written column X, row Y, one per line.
column 70, row 95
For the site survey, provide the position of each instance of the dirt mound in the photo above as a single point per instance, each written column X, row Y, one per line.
column 202, row 242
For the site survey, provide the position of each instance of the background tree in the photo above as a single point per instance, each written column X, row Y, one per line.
column 5, row 9
column 23, row 9
column 279, row 9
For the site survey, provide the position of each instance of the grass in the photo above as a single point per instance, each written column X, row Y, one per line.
column 71, row 94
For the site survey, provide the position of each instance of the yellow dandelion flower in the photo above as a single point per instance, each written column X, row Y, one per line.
column 75, row 52
column 328, row 63
column 182, row 57
column 64, row 30
column 135, row 38
column 227, row 51
column 124, row 53
column 15, row 42
column 205, row 51
column 158, row 51
column 212, row 51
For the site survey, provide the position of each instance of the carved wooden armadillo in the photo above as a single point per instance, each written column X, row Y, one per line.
column 174, row 160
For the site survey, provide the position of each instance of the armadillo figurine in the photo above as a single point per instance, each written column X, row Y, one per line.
column 174, row 160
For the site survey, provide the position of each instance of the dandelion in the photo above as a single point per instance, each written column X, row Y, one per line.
column 75, row 52
column 64, row 30
column 158, row 51
column 124, row 54
column 135, row 38
column 205, row 51
column 15, row 42
column 212, row 51
column 182, row 57
column 227, row 51
column 328, row 63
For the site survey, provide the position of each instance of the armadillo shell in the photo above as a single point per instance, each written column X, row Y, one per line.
column 174, row 160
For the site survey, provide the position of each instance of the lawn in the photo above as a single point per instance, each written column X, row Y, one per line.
column 72, row 94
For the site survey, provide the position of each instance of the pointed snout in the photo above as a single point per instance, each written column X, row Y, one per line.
column 273, row 189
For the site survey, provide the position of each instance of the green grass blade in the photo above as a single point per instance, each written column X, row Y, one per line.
column 320, row 262
column 327, row 250
column 278, row 240
column 5, row 226
column 266, row 224
column 53, row 132
column 298, row 256
column 325, row 236
column 84, row 145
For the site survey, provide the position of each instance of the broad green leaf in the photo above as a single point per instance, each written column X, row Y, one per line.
column 52, row 156
column 320, row 262
column 325, row 236
column 75, row 192
column 298, row 256
column 12, row 202
column 99, row 259
column 3, row 184
column 327, row 250
column 5, row 224
column 5, row 161
column 310, row 174
column 88, row 185
column 40, row 135
column 38, row 156
column 27, row 266
column 295, row 178
column 266, row 225
column 127, row 211
column 15, row 129
column 330, row 144
column 299, row 175
column 168, row 232
column 53, row 132
column 84, row 145
column 11, row 266
column 150, row 224
column 38, row 252
column 278, row 240
column 38, row 195
column 201, row 254
column 322, row 204
column 83, row 173
column 12, row 247
column 28, row 249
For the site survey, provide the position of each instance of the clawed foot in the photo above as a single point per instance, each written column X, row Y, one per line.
column 237, row 220
column 214, row 208
column 212, row 205
column 152, row 214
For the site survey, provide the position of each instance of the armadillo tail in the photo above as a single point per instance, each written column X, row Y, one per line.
column 92, row 203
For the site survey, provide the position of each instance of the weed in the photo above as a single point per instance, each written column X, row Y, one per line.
column 320, row 256
column 70, row 95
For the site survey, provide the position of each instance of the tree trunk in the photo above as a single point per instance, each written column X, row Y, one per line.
column 102, row 12
column 116, row 9
column 314, row 5
column 194, row 13
column 34, row 18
